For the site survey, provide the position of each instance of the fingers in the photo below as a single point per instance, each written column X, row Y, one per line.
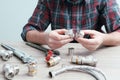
column 60, row 31
column 54, row 44
column 89, row 31
column 90, row 44
column 57, row 39
column 91, row 47
column 58, row 35
column 86, row 41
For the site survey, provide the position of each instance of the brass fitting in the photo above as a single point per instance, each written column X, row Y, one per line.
column 32, row 68
column 53, row 61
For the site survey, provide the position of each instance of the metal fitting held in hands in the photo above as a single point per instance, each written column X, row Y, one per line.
column 87, row 60
column 70, row 33
column 53, row 61
column 10, row 71
column 32, row 68
column 6, row 54
column 77, row 34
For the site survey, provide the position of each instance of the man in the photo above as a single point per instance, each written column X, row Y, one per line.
column 87, row 15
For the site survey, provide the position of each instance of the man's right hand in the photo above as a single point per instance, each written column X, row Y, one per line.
column 56, row 38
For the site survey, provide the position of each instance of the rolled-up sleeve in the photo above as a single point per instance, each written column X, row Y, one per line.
column 112, row 16
column 39, row 20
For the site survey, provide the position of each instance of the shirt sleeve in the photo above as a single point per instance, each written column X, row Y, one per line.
column 111, row 15
column 39, row 20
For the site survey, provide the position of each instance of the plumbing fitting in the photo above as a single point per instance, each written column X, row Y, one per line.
column 20, row 54
column 70, row 33
column 87, row 60
column 53, row 61
column 10, row 71
column 6, row 54
column 32, row 68
column 71, row 51
column 95, row 72
column 77, row 34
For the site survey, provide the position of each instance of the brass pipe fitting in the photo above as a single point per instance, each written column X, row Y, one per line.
column 32, row 68
column 53, row 61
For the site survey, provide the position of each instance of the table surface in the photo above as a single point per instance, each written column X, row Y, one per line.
column 108, row 61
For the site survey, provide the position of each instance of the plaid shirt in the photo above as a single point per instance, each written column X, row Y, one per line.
column 80, row 14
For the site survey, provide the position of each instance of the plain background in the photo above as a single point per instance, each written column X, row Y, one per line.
column 14, row 14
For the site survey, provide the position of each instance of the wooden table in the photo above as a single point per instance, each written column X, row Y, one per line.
column 108, row 62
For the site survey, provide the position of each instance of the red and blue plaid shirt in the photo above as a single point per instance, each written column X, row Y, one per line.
column 80, row 14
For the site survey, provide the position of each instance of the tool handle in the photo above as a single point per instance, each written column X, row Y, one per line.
column 37, row 46
column 7, row 47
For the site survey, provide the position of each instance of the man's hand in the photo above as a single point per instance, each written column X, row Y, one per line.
column 94, row 42
column 56, row 38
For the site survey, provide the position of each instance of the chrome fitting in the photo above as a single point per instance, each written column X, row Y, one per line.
column 10, row 71
column 6, row 54
column 53, row 61
column 56, row 72
column 93, row 71
column 79, row 34
column 70, row 33
column 71, row 51
column 87, row 60
column 32, row 68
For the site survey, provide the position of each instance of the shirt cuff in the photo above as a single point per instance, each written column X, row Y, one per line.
column 25, row 30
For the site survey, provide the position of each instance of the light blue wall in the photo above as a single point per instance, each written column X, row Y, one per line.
column 118, row 1
column 14, row 14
